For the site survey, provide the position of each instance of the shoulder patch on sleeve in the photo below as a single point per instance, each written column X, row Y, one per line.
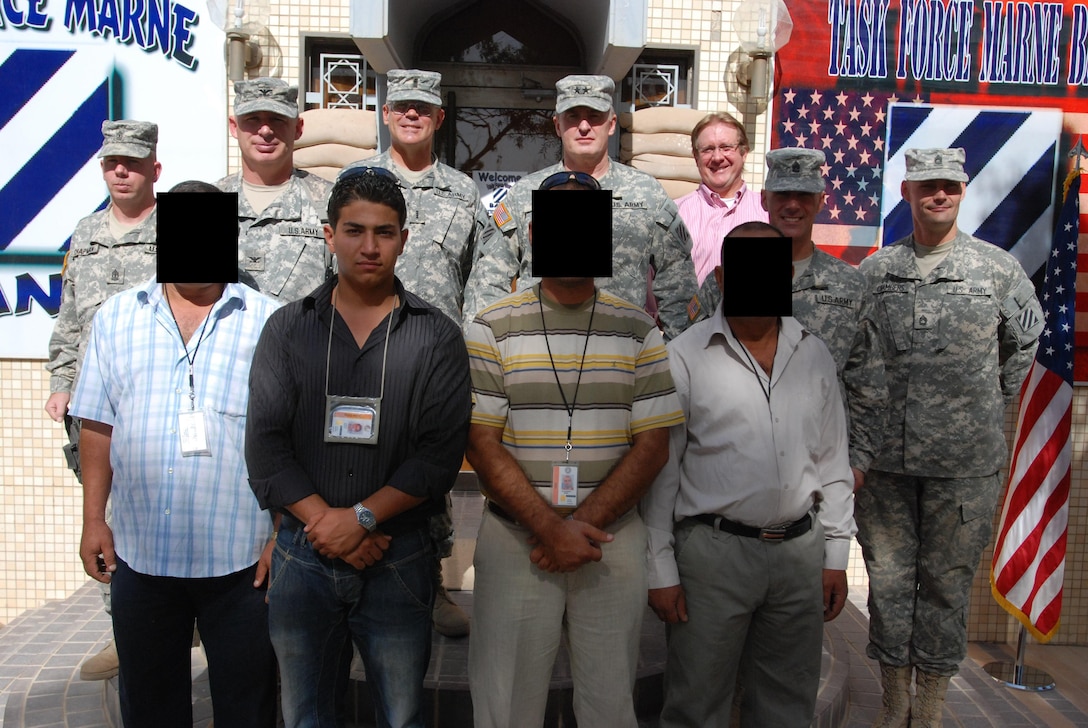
column 501, row 216
column 694, row 308
column 1023, row 312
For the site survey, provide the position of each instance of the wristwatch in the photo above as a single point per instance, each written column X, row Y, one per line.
column 365, row 516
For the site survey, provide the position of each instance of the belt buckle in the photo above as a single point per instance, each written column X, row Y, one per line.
column 772, row 534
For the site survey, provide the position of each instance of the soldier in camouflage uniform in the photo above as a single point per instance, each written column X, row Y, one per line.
column 110, row 251
column 829, row 299
column 443, row 204
column 281, row 210
column 443, row 214
column 651, row 247
column 959, row 322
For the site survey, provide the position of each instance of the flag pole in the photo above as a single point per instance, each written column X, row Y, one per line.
column 1019, row 676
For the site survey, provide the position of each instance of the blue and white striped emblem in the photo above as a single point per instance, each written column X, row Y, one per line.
column 1011, row 163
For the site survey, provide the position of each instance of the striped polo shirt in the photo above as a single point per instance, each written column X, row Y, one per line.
column 625, row 388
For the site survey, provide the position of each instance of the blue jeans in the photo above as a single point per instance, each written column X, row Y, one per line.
column 153, row 627
column 315, row 603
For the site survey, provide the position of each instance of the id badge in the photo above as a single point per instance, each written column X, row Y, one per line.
column 194, row 433
column 352, row 419
column 565, row 484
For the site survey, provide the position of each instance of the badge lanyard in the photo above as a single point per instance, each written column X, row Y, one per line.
column 191, row 424
column 353, row 419
column 756, row 368
column 565, row 474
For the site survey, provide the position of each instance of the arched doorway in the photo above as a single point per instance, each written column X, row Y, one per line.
column 499, row 63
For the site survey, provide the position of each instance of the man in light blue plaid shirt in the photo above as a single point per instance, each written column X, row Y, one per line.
column 163, row 394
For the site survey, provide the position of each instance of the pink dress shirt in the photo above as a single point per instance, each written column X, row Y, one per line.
column 709, row 220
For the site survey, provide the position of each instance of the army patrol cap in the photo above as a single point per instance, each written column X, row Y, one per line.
column 136, row 139
column 266, row 94
column 592, row 91
column 414, row 85
column 795, row 170
column 923, row 164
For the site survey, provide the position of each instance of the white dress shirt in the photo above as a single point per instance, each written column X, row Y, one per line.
column 755, row 459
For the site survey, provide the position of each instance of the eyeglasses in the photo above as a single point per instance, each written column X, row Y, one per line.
column 350, row 172
column 708, row 151
column 400, row 108
column 567, row 177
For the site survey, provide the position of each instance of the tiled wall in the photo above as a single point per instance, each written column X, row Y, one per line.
column 40, row 500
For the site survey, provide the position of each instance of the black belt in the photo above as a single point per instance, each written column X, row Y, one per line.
column 785, row 533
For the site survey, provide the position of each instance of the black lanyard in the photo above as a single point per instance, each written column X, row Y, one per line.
column 578, row 383
column 199, row 340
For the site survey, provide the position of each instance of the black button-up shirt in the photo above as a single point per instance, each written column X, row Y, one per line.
column 424, row 418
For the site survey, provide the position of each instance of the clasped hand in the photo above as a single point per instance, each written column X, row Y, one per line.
column 335, row 533
column 567, row 546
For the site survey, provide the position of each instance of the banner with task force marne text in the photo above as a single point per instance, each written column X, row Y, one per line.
column 862, row 80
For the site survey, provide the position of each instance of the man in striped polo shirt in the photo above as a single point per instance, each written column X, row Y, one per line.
column 573, row 403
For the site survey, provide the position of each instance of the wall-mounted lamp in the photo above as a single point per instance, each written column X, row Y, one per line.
column 243, row 54
column 764, row 27
column 242, row 51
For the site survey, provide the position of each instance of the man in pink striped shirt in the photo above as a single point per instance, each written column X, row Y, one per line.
column 723, row 201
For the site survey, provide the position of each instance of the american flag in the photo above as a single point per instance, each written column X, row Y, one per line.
column 1029, row 557
column 849, row 127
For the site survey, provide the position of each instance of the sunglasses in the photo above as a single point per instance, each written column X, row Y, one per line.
column 380, row 172
column 566, row 177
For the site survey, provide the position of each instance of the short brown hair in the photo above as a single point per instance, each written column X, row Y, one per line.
column 719, row 117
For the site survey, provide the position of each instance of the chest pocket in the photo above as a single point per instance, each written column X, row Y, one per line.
column 895, row 307
column 632, row 233
column 968, row 313
column 285, row 251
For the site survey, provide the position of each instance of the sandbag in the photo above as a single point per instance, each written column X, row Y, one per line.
column 677, row 188
column 354, row 127
column 666, row 170
column 330, row 155
column 678, row 145
column 658, row 119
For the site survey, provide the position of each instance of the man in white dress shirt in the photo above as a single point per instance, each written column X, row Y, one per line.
column 751, row 519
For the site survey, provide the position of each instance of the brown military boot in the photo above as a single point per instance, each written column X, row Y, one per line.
column 102, row 666
column 895, row 711
column 448, row 618
column 929, row 704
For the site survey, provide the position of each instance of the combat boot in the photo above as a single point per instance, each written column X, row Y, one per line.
column 895, row 709
column 448, row 618
column 929, row 703
column 102, row 666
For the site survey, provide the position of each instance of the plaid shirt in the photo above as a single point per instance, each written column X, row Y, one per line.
column 174, row 515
